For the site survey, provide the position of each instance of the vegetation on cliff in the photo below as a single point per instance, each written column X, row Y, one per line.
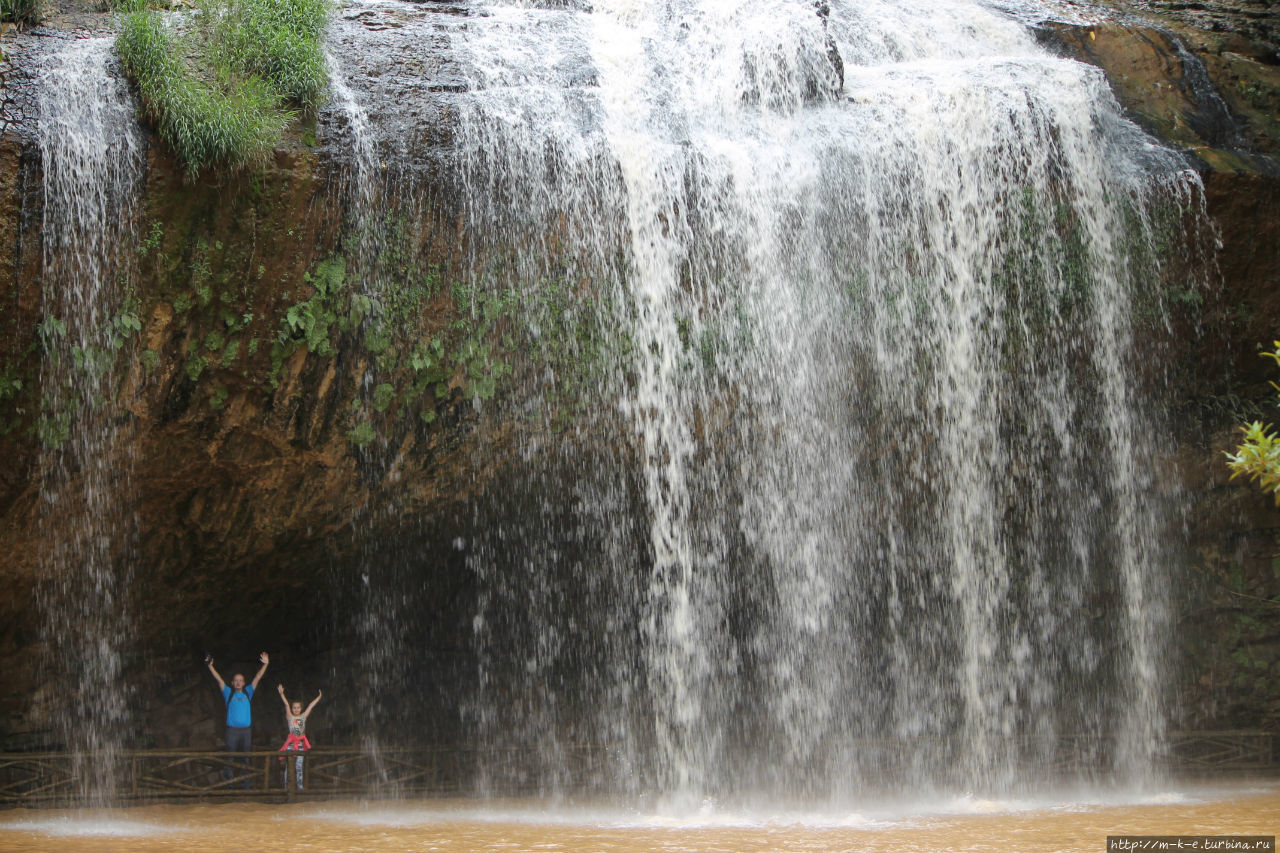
column 21, row 11
column 222, row 88
column 1258, row 456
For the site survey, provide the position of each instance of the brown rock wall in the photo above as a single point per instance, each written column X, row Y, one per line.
column 245, row 487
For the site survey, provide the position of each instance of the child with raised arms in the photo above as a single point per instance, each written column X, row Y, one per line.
column 296, row 718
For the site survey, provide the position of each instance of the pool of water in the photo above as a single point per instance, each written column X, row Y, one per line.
column 1071, row 821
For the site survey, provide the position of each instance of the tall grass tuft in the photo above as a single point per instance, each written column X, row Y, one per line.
column 280, row 41
column 224, row 91
column 22, row 12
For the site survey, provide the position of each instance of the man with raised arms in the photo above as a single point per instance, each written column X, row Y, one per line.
column 239, row 698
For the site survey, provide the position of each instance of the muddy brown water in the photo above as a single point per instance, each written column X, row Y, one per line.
column 1079, row 822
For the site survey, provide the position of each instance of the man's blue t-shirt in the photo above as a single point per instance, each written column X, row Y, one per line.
column 239, row 715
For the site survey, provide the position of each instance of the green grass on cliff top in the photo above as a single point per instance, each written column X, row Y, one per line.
column 222, row 84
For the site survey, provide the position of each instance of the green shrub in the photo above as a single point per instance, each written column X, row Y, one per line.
column 224, row 91
column 363, row 433
column 383, row 395
column 1258, row 455
column 22, row 11
column 280, row 41
column 203, row 123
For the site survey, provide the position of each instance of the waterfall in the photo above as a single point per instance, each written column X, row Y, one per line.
column 92, row 156
column 872, row 493
column 822, row 460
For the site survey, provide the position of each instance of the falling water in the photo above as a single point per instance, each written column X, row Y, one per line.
column 379, row 207
column 381, row 651
column 359, row 141
column 877, row 276
column 92, row 156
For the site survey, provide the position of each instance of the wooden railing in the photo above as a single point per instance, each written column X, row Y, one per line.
column 1233, row 752
column 32, row 779
column 39, row 778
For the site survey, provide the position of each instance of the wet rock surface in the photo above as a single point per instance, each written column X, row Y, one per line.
column 1204, row 76
column 1252, row 27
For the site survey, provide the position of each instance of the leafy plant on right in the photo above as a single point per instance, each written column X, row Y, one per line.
column 1258, row 456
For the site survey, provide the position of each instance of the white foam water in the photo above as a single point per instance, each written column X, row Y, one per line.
column 873, row 814
column 92, row 827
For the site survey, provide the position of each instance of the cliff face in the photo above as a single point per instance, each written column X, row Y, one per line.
column 272, row 426
column 1205, row 78
column 279, row 427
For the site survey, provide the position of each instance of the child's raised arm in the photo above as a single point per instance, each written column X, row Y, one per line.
column 283, row 698
column 319, row 693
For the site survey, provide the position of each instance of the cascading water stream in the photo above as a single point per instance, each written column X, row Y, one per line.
column 92, row 153
column 876, row 319
column 381, row 215
column 364, row 164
